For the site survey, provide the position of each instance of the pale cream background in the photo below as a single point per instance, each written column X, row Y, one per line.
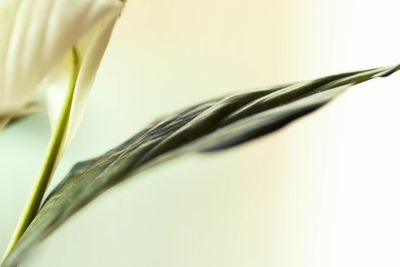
column 322, row 192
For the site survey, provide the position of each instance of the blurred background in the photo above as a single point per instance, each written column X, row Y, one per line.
column 305, row 196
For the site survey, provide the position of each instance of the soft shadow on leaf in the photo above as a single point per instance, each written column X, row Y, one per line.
column 217, row 124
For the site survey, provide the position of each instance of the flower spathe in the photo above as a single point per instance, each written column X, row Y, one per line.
column 36, row 39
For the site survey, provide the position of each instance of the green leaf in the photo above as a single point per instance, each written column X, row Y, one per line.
column 210, row 126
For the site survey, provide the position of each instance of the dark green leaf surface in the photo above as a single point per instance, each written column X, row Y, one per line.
column 210, row 126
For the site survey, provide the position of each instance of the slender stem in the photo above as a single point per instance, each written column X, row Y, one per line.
column 51, row 159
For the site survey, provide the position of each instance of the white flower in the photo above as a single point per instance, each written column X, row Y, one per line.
column 36, row 40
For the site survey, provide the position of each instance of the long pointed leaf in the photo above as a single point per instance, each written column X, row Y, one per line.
column 213, row 125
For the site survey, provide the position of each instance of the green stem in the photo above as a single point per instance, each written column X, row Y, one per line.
column 51, row 159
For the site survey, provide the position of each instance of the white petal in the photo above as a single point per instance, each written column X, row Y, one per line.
column 86, row 78
column 91, row 49
column 8, row 9
column 56, row 84
column 35, row 35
